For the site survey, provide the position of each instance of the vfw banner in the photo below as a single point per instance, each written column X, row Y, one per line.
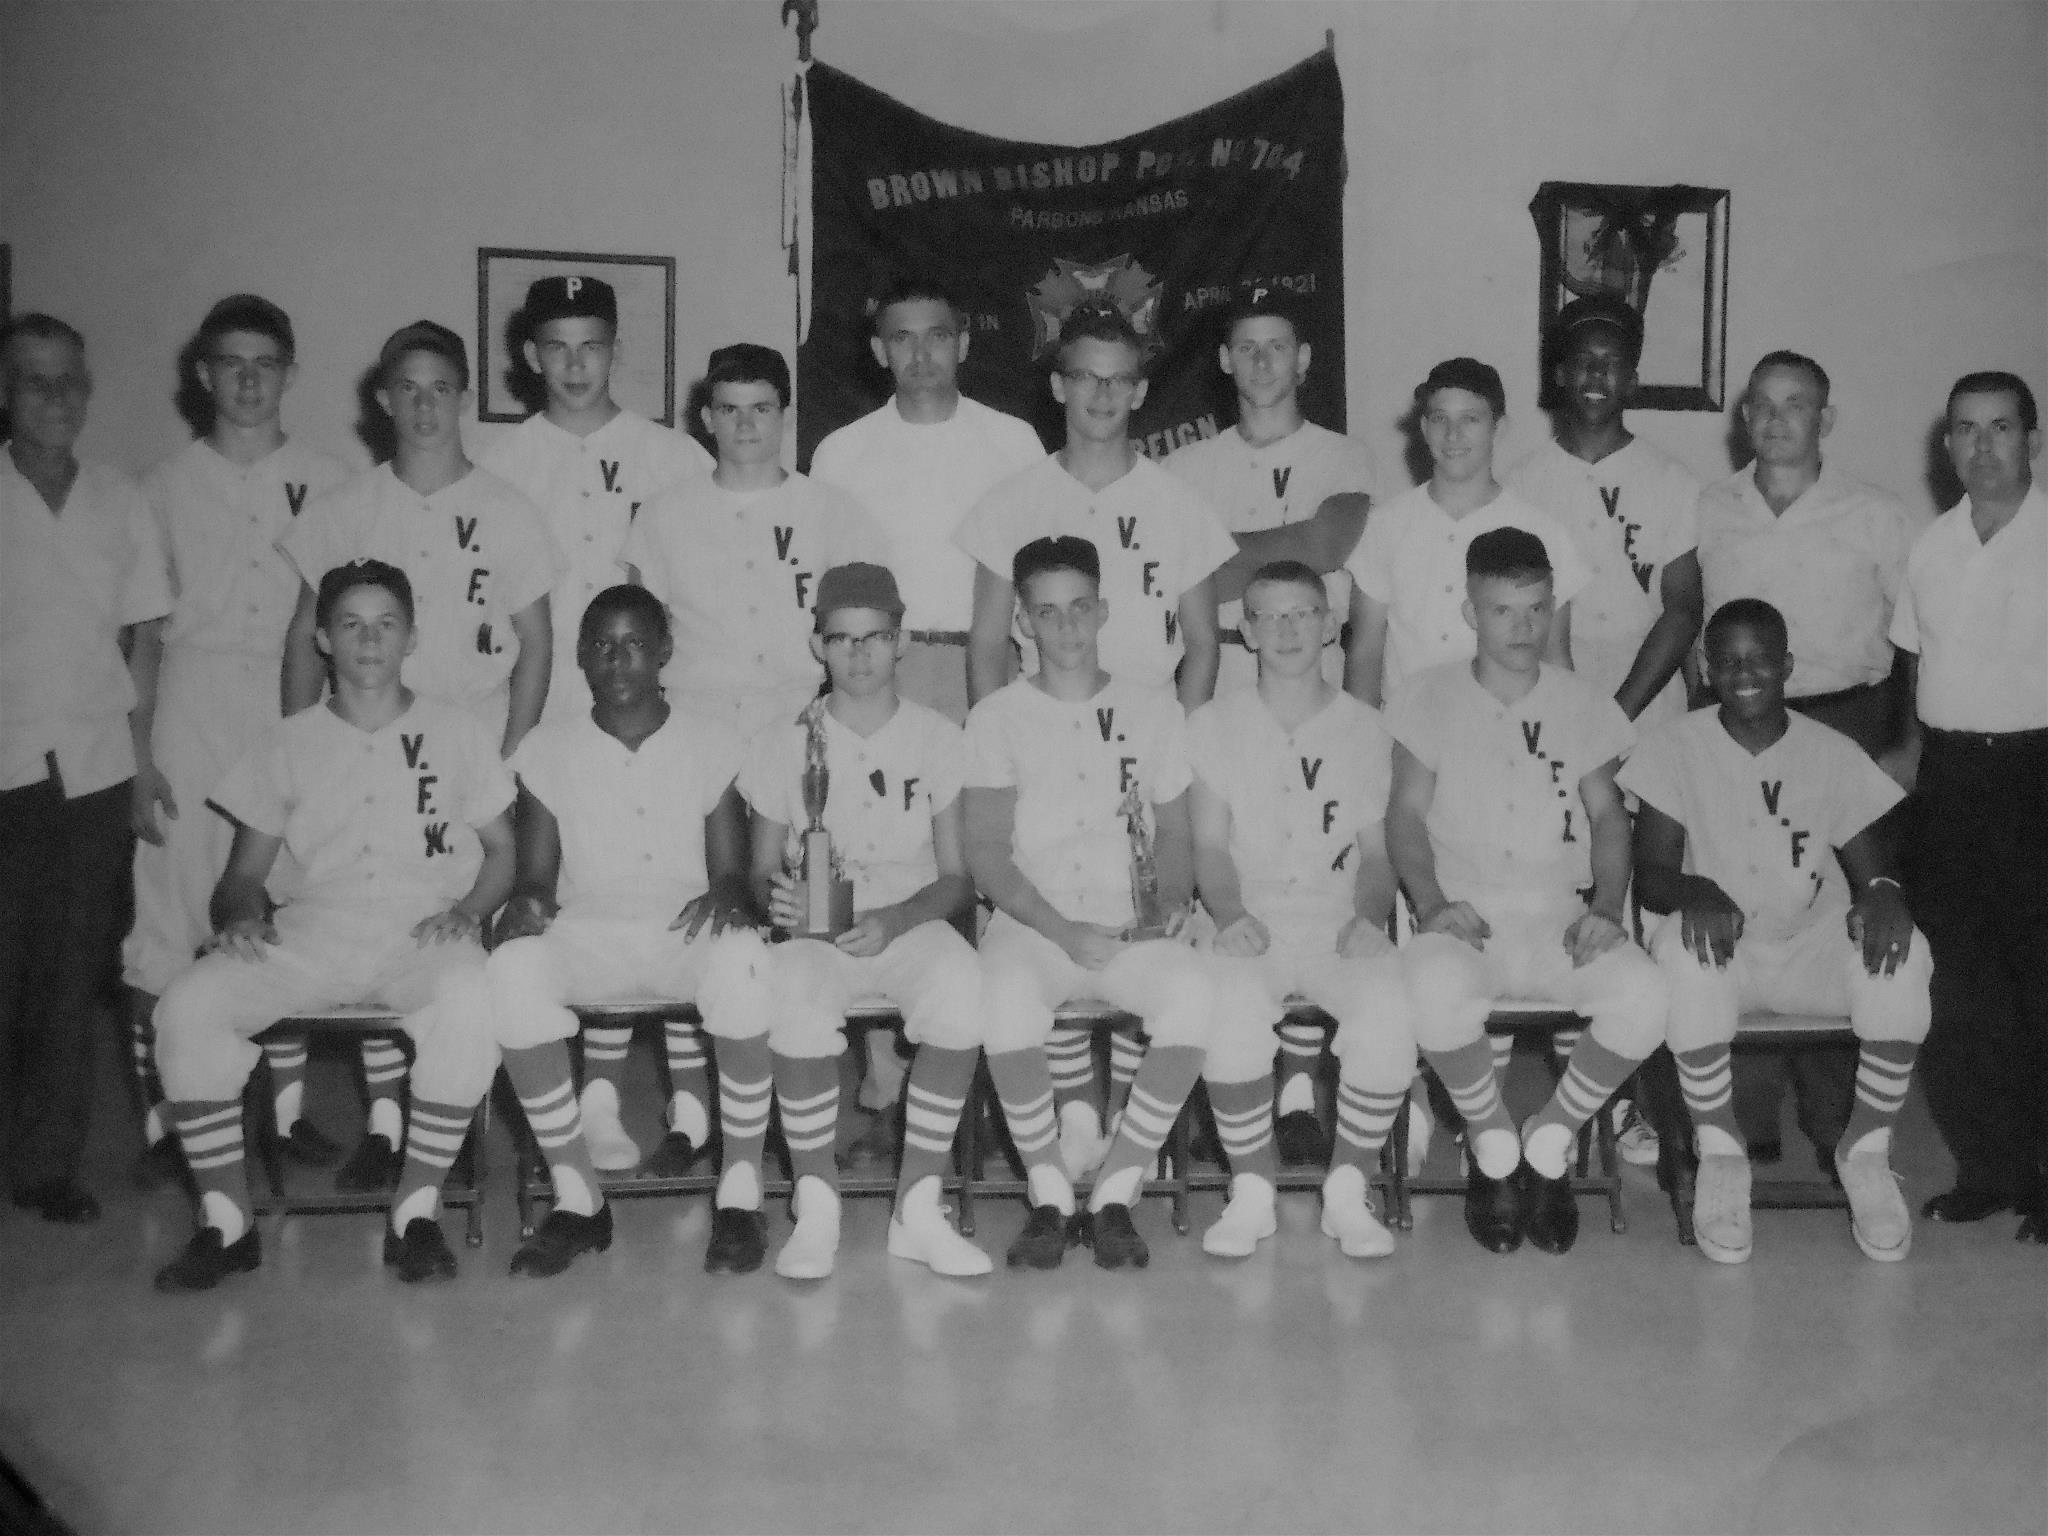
column 1171, row 224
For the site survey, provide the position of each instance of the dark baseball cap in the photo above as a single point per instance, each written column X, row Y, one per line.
column 568, row 297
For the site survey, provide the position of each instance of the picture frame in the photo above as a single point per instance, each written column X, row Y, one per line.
column 644, row 374
column 1664, row 251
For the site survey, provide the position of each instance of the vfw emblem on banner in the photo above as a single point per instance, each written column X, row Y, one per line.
column 1120, row 281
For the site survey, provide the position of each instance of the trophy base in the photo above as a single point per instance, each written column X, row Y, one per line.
column 1138, row 933
column 828, row 911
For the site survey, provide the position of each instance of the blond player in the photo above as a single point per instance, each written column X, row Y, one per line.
column 1289, row 808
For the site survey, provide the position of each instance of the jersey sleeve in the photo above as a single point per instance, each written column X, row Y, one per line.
column 646, row 546
column 1371, row 563
column 945, row 762
column 855, row 535
column 1905, row 626
column 534, row 764
column 990, row 762
column 832, row 460
column 1571, row 573
column 529, row 561
column 1609, row 733
column 1894, row 542
column 318, row 539
column 1652, row 772
column 1171, row 774
column 1208, row 748
column 257, row 790
column 725, row 757
column 1355, row 469
column 490, row 787
column 146, row 590
column 1411, row 719
column 1210, row 545
column 1864, row 792
column 984, row 533
column 764, row 777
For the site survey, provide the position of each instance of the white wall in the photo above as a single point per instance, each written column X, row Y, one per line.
column 1888, row 163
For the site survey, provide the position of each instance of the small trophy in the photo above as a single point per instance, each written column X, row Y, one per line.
column 824, row 896
column 1148, row 918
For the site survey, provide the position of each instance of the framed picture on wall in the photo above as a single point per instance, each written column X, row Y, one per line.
column 1664, row 250
column 644, row 371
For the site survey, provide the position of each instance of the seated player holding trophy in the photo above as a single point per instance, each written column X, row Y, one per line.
column 1063, row 767
column 857, row 854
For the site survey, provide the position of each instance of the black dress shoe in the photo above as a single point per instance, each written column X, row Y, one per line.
column 2033, row 1211
column 1550, row 1212
column 309, row 1146
column 557, row 1241
column 207, row 1261
column 59, row 1200
column 673, row 1158
column 739, row 1241
column 1043, row 1242
column 1763, row 1153
column 1301, row 1139
column 1117, row 1243
column 1961, row 1204
column 422, row 1253
column 373, row 1166
column 1493, row 1211
column 161, row 1162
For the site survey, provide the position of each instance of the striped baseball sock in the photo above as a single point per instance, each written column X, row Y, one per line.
column 383, row 1081
column 286, row 1059
column 1468, row 1076
column 540, row 1076
column 433, row 1135
column 210, row 1131
column 1707, row 1078
column 1024, row 1085
column 1590, row 1081
column 933, row 1103
column 1364, row 1117
column 1163, row 1085
column 1301, row 1049
column 1884, row 1068
column 689, row 1080
column 807, row 1093
column 1244, row 1124
column 745, row 1089
column 156, row 1117
column 1126, row 1058
column 604, row 1054
column 1070, row 1058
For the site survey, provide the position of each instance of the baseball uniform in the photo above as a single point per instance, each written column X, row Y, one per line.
column 1411, row 559
column 1632, row 514
column 1155, row 537
column 1269, row 485
column 588, row 490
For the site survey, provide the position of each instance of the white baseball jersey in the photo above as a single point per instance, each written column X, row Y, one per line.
column 1071, row 766
column 476, row 553
column 739, row 571
column 631, row 819
column 588, row 490
column 1506, row 817
column 1632, row 513
column 68, row 585
column 1832, row 563
column 381, row 821
column 1764, row 827
column 1298, row 803
column 918, row 479
column 883, row 792
column 1411, row 559
column 1977, row 613
column 1156, row 539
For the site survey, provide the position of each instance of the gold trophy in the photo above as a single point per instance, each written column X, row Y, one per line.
column 1148, row 917
column 824, row 896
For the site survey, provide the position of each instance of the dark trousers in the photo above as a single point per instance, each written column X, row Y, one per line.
column 62, row 867
column 1979, row 891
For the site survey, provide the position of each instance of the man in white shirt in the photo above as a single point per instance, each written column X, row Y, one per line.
column 80, row 585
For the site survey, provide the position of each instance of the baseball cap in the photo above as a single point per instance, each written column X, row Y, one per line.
column 570, row 296
column 858, row 585
column 1597, row 309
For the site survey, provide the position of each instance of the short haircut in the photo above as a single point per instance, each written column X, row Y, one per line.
column 1468, row 374
column 748, row 362
column 1997, row 382
column 910, row 287
column 1507, row 554
column 1101, row 322
column 37, row 326
column 1292, row 572
column 1264, row 302
column 344, row 579
column 421, row 336
column 252, row 314
column 1596, row 309
column 1799, row 362
column 1752, row 611
column 623, row 598
column 1065, row 553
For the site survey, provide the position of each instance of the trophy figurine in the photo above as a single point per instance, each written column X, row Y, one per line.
column 1148, row 918
column 824, row 895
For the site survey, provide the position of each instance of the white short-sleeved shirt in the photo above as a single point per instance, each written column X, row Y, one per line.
column 220, row 523
column 476, row 553
column 1765, row 827
column 1072, row 765
column 588, row 490
column 739, row 571
column 631, row 819
column 1633, row 513
column 1273, row 484
column 918, row 479
column 69, row 583
column 1155, row 537
column 1506, row 816
column 1298, row 801
column 1831, row 563
column 379, row 820
column 880, row 799
column 1411, row 559
column 1977, row 613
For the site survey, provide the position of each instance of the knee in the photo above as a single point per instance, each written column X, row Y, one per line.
column 802, row 1028
column 1668, row 950
column 1634, row 1007
column 1183, row 1011
column 948, row 1011
column 1895, row 1007
column 1447, row 996
column 734, row 995
column 1013, row 1016
column 1240, row 1050
column 1375, row 1048
column 197, row 1055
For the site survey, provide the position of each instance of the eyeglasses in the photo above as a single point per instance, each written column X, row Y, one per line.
column 1114, row 383
column 873, row 640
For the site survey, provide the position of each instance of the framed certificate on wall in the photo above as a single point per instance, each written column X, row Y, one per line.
column 644, row 369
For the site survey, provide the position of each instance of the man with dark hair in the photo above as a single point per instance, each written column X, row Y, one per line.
column 1973, row 611
column 81, row 588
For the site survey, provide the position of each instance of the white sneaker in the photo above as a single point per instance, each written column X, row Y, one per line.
column 1633, row 1136
column 1348, row 1217
column 1720, row 1208
column 1878, row 1217
column 927, row 1237
column 1082, row 1144
column 1247, row 1218
column 1421, row 1131
column 812, row 1247
column 611, row 1149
